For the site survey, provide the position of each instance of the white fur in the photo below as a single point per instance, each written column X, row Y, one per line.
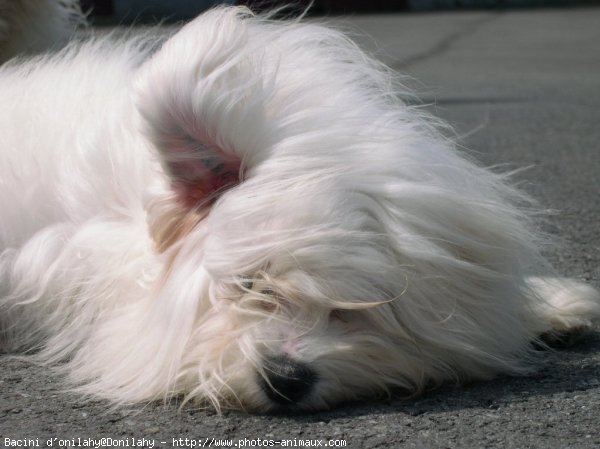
column 379, row 257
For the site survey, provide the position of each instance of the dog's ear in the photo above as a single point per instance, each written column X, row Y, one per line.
column 200, row 164
column 202, row 105
column 200, row 170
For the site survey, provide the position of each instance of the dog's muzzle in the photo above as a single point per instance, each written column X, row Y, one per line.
column 287, row 381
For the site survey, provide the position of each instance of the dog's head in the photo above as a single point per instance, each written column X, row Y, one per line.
column 278, row 267
column 294, row 295
column 297, row 234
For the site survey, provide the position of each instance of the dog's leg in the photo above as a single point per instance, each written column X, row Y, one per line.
column 563, row 308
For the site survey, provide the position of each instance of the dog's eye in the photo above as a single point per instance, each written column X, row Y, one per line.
column 247, row 283
column 337, row 315
column 267, row 292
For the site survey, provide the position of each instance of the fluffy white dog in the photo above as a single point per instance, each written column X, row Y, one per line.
column 250, row 216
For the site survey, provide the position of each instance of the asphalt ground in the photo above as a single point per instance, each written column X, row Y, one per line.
column 522, row 89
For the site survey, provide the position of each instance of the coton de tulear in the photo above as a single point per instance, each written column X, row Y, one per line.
column 248, row 214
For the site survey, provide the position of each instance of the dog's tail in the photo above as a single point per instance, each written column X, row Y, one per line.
column 563, row 308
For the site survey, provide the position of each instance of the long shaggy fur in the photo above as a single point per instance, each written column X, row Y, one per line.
column 250, row 216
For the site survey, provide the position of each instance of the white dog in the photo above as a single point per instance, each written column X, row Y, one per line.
column 251, row 217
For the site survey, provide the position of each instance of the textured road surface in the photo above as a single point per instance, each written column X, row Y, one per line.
column 521, row 88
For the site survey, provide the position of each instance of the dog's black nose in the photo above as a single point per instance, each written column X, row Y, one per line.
column 288, row 381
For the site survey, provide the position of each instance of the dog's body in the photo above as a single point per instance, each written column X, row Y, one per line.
column 250, row 216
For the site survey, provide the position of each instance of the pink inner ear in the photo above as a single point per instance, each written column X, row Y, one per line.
column 199, row 179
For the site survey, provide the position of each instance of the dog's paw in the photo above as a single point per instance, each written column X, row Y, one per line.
column 564, row 309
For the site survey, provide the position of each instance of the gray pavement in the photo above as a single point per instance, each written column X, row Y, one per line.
column 521, row 88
